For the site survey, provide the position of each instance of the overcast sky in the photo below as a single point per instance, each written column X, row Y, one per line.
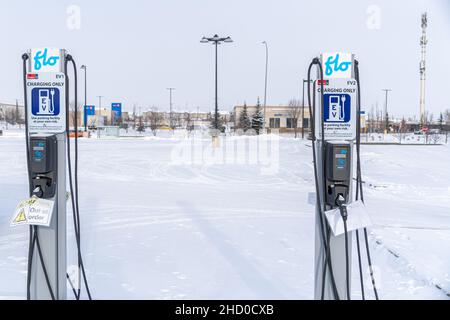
column 135, row 49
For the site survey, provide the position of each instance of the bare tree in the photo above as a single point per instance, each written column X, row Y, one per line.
column 435, row 138
column 189, row 122
column 295, row 112
column 75, row 111
column 155, row 119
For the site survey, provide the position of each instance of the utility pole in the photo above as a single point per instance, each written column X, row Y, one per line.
column 170, row 107
column 303, row 108
column 386, row 110
column 216, row 40
column 100, row 105
column 265, row 84
column 423, row 45
column 84, row 67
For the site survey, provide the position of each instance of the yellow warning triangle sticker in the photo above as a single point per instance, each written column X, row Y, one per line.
column 20, row 217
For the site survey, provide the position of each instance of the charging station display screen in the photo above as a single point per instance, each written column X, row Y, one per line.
column 39, row 151
column 341, row 159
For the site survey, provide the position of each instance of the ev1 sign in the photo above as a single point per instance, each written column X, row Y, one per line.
column 339, row 109
column 46, row 105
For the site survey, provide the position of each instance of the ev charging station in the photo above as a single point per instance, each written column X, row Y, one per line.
column 336, row 110
column 46, row 91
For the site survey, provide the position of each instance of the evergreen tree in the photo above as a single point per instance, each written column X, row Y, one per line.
column 245, row 122
column 441, row 122
column 258, row 119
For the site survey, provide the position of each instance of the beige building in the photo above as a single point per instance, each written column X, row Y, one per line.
column 283, row 118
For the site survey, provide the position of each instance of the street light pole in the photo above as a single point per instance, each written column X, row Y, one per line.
column 303, row 108
column 100, row 104
column 170, row 107
column 265, row 84
column 216, row 40
column 216, row 111
column 386, row 110
column 84, row 67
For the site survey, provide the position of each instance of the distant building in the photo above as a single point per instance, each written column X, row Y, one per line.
column 282, row 118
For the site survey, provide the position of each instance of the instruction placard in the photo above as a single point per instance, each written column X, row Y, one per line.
column 46, row 102
column 34, row 211
column 339, row 109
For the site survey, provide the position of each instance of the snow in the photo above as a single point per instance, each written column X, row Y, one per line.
column 154, row 228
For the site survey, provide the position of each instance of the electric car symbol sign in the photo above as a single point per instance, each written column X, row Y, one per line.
column 46, row 103
column 339, row 109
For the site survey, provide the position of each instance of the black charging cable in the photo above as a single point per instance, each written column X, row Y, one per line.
column 340, row 202
column 324, row 228
column 359, row 186
column 74, row 197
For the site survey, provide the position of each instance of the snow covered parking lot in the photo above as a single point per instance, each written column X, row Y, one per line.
column 154, row 229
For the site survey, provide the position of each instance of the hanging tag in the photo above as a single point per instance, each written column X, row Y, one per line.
column 33, row 211
column 357, row 218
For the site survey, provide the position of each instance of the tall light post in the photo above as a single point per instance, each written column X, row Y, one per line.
column 100, row 104
column 423, row 46
column 216, row 40
column 386, row 110
column 84, row 67
column 265, row 83
column 170, row 107
column 303, row 108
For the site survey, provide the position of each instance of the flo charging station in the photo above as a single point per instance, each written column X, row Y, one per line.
column 46, row 90
column 336, row 110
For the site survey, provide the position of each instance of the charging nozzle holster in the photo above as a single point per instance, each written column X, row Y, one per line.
column 43, row 165
column 337, row 172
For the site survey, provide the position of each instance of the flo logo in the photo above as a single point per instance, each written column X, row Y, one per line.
column 337, row 65
column 45, row 59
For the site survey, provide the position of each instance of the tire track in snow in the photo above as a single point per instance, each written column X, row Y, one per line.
column 412, row 270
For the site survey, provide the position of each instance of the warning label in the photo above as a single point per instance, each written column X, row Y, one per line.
column 34, row 211
column 46, row 102
column 339, row 109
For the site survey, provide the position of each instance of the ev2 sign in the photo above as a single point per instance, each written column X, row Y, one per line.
column 45, row 60
column 339, row 109
column 337, row 65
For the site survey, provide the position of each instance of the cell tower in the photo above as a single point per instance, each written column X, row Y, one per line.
column 423, row 45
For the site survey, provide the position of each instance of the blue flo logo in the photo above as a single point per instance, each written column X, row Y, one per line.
column 332, row 65
column 41, row 59
column 45, row 101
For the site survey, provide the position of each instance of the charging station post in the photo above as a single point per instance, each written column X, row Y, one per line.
column 333, row 141
column 45, row 107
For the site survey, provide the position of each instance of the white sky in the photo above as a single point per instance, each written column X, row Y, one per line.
column 135, row 49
